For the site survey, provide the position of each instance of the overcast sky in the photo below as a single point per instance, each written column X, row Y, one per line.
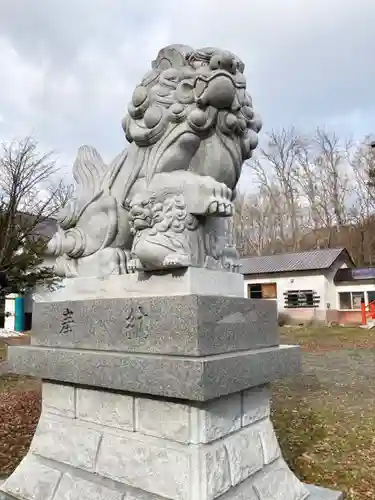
column 68, row 67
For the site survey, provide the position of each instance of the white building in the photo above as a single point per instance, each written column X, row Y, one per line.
column 319, row 285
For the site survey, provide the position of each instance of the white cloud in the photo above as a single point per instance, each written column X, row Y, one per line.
column 69, row 68
column 19, row 83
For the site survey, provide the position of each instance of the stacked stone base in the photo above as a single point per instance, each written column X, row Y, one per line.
column 156, row 386
column 94, row 444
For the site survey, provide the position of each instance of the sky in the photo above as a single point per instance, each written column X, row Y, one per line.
column 69, row 67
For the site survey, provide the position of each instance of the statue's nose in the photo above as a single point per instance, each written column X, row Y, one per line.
column 224, row 61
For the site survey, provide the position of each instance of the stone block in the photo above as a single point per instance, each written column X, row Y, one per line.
column 264, row 485
column 191, row 325
column 228, row 324
column 319, row 493
column 215, row 419
column 187, row 423
column 161, row 470
column 75, row 488
column 245, row 454
column 278, row 483
column 59, row 399
column 270, row 445
column 65, row 441
column 214, row 470
column 106, row 408
column 197, row 379
column 187, row 281
column 234, row 372
column 255, row 404
column 32, row 480
column 243, row 491
column 163, row 419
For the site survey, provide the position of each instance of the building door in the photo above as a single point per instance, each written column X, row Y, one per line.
column 262, row 291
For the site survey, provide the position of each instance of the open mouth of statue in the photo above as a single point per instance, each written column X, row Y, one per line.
column 217, row 90
column 202, row 81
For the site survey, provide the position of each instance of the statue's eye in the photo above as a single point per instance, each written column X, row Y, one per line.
column 215, row 62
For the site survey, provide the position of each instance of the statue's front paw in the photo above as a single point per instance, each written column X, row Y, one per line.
column 134, row 265
column 220, row 207
column 176, row 260
column 220, row 202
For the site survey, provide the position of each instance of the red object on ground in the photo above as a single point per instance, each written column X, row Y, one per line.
column 368, row 312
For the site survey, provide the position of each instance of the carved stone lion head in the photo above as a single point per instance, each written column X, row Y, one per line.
column 196, row 102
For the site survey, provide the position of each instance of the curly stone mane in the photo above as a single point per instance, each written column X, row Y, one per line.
column 198, row 91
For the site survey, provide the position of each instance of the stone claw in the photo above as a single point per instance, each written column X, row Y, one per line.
column 134, row 265
column 221, row 190
column 220, row 207
column 213, row 207
column 176, row 260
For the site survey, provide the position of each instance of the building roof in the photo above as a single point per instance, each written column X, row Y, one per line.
column 356, row 274
column 299, row 261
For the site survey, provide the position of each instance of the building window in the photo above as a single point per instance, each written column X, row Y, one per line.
column 301, row 298
column 351, row 300
column 262, row 291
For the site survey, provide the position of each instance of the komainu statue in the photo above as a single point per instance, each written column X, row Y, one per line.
column 167, row 200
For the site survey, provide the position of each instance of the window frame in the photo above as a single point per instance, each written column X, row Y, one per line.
column 313, row 302
column 364, row 297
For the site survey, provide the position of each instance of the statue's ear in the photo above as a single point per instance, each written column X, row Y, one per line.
column 173, row 56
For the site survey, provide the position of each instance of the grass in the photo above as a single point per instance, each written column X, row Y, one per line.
column 324, row 419
column 318, row 338
column 2, row 351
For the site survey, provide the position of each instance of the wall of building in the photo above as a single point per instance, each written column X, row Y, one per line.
column 351, row 316
column 354, row 287
column 331, row 292
column 321, row 282
column 295, row 281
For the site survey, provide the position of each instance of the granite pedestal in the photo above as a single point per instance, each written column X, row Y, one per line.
column 159, row 396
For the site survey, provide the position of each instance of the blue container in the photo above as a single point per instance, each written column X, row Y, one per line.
column 19, row 320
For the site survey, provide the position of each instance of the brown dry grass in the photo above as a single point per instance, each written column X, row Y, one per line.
column 20, row 401
column 2, row 351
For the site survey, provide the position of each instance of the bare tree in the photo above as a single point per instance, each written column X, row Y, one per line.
column 309, row 188
column 255, row 226
column 331, row 160
column 322, row 177
column 29, row 195
column 274, row 172
column 362, row 207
